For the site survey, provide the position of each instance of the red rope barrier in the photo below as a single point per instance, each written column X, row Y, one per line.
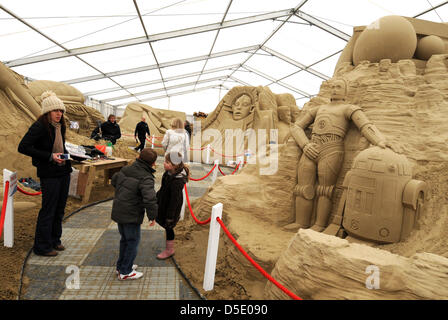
column 205, row 175
column 223, row 155
column 5, row 203
column 28, row 193
column 191, row 210
column 256, row 265
column 233, row 170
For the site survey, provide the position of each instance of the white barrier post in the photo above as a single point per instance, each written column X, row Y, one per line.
column 212, row 249
column 8, row 228
column 182, row 211
column 208, row 154
column 215, row 172
column 152, row 142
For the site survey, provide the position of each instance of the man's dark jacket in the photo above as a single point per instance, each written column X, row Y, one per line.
column 38, row 144
column 109, row 129
column 141, row 129
column 134, row 192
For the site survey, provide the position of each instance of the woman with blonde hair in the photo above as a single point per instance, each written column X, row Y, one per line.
column 176, row 141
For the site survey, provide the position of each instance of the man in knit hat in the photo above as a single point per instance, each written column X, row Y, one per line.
column 45, row 144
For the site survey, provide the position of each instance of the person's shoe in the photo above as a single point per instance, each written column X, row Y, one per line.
column 59, row 247
column 131, row 276
column 48, row 254
column 168, row 252
column 134, row 267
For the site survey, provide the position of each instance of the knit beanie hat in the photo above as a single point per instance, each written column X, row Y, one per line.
column 51, row 102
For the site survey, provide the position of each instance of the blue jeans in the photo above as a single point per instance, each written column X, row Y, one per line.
column 130, row 238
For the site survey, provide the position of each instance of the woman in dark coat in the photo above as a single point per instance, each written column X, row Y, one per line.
column 45, row 143
column 170, row 200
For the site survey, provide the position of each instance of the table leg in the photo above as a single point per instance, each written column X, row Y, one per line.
column 106, row 176
column 90, row 179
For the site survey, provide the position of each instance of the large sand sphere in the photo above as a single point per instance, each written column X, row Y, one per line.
column 429, row 45
column 390, row 37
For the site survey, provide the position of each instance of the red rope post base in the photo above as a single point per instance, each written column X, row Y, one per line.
column 256, row 265
column 191, row 210
column 5, row 203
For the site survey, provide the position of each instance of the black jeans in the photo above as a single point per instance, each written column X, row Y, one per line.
column 169, row 233
column 49, row 221
column 130, row 238
column 142, row 143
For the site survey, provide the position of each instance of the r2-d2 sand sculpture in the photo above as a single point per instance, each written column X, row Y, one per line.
column 380, row 200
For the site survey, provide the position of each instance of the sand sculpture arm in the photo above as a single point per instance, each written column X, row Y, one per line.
column 368, row 129
column 298, row 133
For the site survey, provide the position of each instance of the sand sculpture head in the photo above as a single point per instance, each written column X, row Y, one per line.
column 242, row 107
column 284, row 114
column 338, row 89
column 295, row 113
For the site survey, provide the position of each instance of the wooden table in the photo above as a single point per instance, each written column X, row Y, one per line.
column 88, row 171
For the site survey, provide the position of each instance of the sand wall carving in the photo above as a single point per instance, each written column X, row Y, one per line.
column 158, row 120
column 407, row 101
column 244, row 108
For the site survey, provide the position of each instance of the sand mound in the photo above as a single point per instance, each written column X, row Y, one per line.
column 333, row 268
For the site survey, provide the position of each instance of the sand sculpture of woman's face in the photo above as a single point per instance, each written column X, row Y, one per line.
column 242, row 107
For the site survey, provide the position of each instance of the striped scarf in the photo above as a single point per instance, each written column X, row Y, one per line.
column 58, row 145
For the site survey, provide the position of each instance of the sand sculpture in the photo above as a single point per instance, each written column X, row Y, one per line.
column 159, row 120
column 244, row 108
column 406, row 98
column 86, row 117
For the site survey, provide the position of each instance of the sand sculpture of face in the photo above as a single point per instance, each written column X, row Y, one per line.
column 284, row 114
column 242, row 107
column 338, row 89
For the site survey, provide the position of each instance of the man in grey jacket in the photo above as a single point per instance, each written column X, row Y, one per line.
column 134, row 193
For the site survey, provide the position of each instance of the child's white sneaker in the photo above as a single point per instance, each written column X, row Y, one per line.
column 131, row 276
column 134, row 267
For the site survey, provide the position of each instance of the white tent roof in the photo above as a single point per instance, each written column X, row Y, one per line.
column 186, row 54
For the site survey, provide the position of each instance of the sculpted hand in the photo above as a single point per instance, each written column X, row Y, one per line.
column 310, row 150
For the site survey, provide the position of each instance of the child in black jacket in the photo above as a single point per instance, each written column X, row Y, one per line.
column 134, row 193
column 170, row 199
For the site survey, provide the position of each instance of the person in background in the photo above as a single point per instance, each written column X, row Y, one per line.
column 141, row 130
column 176, row 141
column 134, row 193
column 170, row 200
column 187, row 128
column 110, row 130
column 45, row 143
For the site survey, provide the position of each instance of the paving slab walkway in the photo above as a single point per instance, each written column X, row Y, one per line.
column 86, row 269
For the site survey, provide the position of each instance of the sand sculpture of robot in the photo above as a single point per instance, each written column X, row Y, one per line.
column 380, row 202
column 323, row 154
